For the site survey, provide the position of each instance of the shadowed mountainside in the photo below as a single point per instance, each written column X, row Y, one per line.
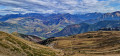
column 84, row 27
column 28, row 37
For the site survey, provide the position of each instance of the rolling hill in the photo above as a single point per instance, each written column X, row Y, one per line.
column 97, row 43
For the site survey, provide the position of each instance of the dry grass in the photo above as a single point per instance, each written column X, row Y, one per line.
column 99, row 43
column 14, row 46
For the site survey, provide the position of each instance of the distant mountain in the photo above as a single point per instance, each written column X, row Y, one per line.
column 77, row 18
column 74, row 18
column 28, row 37
column 49, row 17
column 11, row 45
column 91, row 15
column 10, row 16
column 40, row 27
column 84, row 27
column 106, row 16
column 45, row 25
column 111, row 16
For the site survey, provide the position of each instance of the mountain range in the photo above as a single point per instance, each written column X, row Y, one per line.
column 43, row 25
column 48, row 25
column 106, row 20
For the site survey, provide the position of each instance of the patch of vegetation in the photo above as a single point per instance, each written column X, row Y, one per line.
column 3, row 45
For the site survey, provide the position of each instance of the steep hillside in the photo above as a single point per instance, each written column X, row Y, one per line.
column 83, row 27
column 98, row 43
column 28, row 37
column 11, row 45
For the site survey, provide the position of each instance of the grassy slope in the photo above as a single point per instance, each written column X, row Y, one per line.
column 14, row 46
column 89, row 44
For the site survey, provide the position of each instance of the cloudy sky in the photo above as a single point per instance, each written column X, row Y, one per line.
column 58, row 6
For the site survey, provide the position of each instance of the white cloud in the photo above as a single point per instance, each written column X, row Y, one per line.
column 57, row 6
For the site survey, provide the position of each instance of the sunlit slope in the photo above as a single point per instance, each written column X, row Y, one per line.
column 14, row 46
column 91, row 43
